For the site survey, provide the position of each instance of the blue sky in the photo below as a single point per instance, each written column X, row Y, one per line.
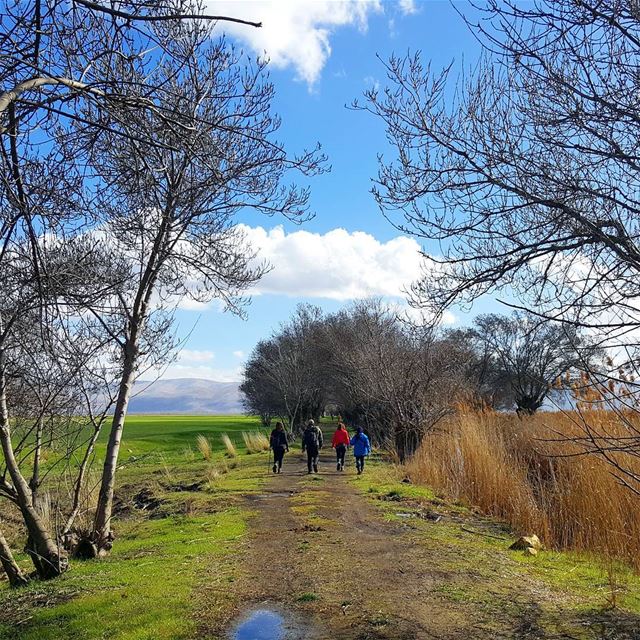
column 324, row 54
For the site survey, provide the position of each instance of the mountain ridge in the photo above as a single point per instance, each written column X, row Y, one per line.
column 194, row 396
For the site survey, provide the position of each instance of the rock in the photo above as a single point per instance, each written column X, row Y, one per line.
column 530, row 551
column 525, row 542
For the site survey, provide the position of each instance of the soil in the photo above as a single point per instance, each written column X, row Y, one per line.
column 321, row 552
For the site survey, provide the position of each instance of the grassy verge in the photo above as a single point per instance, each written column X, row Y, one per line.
column 570, row 590
column 179, row 524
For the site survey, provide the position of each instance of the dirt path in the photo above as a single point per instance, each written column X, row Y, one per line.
column 323, row 555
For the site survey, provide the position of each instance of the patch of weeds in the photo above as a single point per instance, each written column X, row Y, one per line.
column 307, row 597
column 585, row 576
column 380, row 619
column 303, row 546
column 452, row 592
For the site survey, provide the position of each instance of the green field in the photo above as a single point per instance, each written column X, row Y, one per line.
column 157, row 577
column 171, row 436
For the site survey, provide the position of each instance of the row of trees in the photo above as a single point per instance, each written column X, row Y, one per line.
column 130, row 138
column 398, row 379
column 523, row 170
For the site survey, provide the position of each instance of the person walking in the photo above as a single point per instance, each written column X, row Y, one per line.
column 340, row 442
column 280, row 445
column 361, row 448
column 312, row 442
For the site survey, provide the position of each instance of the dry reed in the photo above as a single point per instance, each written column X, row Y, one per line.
column 204, row 446
column 255, row 441
column 513, row 469
column 229, row 445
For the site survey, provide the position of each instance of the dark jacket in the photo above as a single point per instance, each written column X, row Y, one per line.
column 312, row 438
column 278, row 439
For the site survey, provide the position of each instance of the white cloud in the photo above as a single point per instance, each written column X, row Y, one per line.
column 422, row 317
column 193, row 363
column 239, row 354
column 197, row 371
column 189, row 304
column 372, row 82
column 190, row 355
column 295, row 33
column 408, row 7
column 339, row 265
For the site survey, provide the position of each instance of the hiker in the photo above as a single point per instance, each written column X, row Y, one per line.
column 340, row 442
column 279, row 443
column 361, row 449
column 312, row 442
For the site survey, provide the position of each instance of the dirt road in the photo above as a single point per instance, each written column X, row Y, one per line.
column 337, row 563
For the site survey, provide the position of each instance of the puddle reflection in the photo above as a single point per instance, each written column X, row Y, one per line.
column 261, row 625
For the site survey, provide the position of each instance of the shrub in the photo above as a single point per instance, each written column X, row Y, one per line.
column 522, row 472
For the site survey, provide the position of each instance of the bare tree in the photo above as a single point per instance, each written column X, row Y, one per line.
column 524, row 170
column 11, row 568
column 49, row 377
column 283, row 374
column 67, row 74
column 397, row 379
column 169, row 205
column 528, row 356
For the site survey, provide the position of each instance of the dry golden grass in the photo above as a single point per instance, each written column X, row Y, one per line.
column 204, row 447
column 229, row 445
column 511, row 468
column 255, row 441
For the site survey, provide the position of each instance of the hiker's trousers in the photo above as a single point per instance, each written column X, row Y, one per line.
column 312, row 458
column 360, row 463
column 278, row 456
column 341, row 450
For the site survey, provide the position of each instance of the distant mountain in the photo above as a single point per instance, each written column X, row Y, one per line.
column 186, row 395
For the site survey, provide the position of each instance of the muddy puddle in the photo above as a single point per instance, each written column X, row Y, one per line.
column 267, row 624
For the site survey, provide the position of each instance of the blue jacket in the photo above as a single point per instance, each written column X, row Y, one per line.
column 360, row 444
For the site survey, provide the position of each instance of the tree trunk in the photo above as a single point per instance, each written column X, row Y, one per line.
column 49, row 560
column 13, row 571
column 102, row 535
column 35, row 477
column 77, row 489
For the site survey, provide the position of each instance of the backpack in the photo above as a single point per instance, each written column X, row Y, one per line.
column 311, row 438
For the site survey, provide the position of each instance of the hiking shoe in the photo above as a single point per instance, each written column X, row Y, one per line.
column 338, row 467
column 275, row 469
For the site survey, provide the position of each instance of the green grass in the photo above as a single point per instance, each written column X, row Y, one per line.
column 173, row 435
column 307, row 597
column 486, row 570
column 150, row 586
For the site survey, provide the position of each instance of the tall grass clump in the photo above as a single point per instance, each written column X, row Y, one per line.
column 229, row 445
column 255, row 441
column 521, row 471
column 204, row 447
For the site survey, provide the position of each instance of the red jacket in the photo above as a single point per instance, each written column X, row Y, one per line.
column 341, row 436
